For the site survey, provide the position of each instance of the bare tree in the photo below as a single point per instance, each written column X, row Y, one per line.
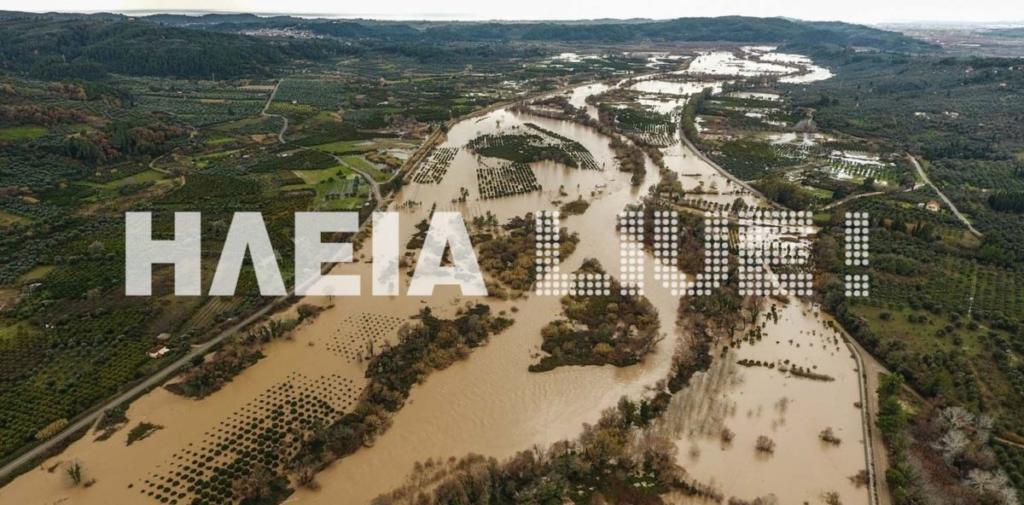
column 832, row 498
column 992, row 484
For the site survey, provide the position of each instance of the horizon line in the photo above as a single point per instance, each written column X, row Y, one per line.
column 470, row 18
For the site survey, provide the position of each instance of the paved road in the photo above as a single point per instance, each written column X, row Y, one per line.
column 149, row 382
column 949, row 203
column 374, row 185
column 874, row 447
column 852, row 198
column 160, row 376
column 725, row 173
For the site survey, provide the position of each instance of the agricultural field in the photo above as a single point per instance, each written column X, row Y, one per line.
column 336, row 188
column 200, row 111
column 80, row 148
column 144, row 177
column 323, row 94
column 15, row 133
column 347, row 146
column 533, row 144
column 92, row 128
column 435, row 168
column 251, row 126
column 361, row 163
column 505, row 179
column 9, row 219
column 652, row 127
column 196, row 103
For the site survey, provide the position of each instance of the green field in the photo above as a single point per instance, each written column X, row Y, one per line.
column 36, row 273
column 22, row 132
column 8, row 219
column 331, row 185
column 347, row 146
column 819, row 193
column 203, row 160
column 293, row 111
column 143, row 177
column 218, row 139
column 920, row 337
column 9, row 329
column 360, row 163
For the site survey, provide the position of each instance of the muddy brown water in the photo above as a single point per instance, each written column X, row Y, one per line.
column 490, row 404
column 790, row 410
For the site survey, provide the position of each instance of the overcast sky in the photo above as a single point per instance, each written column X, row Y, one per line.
column 862, row 11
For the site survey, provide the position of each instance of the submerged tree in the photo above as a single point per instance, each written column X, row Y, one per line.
column 74, row 471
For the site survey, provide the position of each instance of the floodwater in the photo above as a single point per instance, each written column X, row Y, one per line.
column 678, row 88
column 753, row 61
column 774, row 97
column 811, row 72
column 578, row 97
column 790, row 410
column 727, row 63
column 491, row 404
column 662, row 104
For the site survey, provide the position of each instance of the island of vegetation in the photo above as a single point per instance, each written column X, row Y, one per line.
column 507, row 253
column 608, row 328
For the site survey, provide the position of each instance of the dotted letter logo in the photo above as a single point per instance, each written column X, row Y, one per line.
column 550, row 280
column 773, row 244
column 855, row 235
column 666, row 254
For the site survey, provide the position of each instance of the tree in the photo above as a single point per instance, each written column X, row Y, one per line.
column 827, row 435
column 765, row 445
column 832, row 498
column 253, row 486
column 74, row 472
column 304, row 472
column 739, row 205
column 993, row 485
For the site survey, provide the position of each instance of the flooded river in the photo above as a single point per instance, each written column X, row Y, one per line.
column 491, row 404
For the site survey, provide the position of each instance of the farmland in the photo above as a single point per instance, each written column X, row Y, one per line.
column 21, row 133
column 336, row 188
column 78, row 153
column 103, row 115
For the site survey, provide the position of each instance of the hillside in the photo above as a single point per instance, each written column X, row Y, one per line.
column 727, row 29
column 91, row 47
column 58, row 46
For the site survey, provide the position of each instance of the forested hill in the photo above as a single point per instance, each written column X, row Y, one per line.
column 91, row 47
column 728, row 29
column 211, row 46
